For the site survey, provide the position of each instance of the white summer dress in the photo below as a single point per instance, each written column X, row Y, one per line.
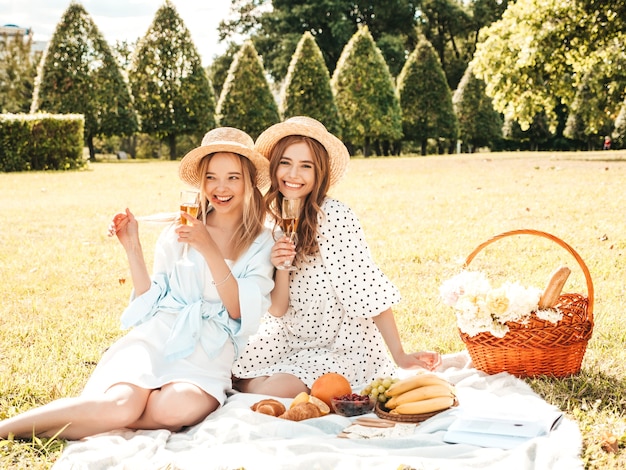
column 328, row 326
column 181, row 330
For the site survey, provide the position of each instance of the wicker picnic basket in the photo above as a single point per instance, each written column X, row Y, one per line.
column 538, row 347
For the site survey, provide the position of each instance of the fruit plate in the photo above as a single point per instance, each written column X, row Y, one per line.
column 383, row 413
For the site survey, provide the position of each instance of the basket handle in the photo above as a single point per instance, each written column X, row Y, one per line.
column 557, row 240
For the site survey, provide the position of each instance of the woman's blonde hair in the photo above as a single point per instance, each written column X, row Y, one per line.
column 253, row 208
column 311, row 207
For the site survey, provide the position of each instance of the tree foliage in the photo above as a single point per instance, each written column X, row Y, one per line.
column 368, row 106
column 246, row 101
column 307, row 89
column 277, row 31
column 425, row 98
column 542, row 53
column 218, row 70
column 18, row 69
column 619, row 132
column 172, row 92
column 80, row 75
column 479, row 124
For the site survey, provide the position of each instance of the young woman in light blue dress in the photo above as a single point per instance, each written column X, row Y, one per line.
column 191, row 317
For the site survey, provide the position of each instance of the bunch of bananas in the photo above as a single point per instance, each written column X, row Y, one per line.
column 422, row 393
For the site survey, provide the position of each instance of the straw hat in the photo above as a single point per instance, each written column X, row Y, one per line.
column 303, row 125
column 223, row 139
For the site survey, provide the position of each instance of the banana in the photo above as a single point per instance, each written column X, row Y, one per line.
column 419, row 380
column 421, row 393
column 424, row 406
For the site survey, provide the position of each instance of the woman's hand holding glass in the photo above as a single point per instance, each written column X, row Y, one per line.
column 189, row 204
column 286, row 242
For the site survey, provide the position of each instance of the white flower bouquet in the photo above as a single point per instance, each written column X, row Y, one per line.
column 481, row 308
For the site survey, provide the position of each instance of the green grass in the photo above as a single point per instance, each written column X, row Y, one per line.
column 422, row 217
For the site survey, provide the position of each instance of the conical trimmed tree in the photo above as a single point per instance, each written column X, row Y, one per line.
column 172, row 91
column 425, row 98
column 479, row 124
column 80, row 75
column 246, row 101
column 619, row 133
column 307, row 88
column 366, row 99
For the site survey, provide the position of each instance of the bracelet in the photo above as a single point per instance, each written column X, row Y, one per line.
column 222, row 281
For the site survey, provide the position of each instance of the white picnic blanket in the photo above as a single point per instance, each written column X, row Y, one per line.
column 236, row 437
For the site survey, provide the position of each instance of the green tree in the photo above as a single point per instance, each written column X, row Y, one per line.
column 18, row 70
column 448, row 26
column 80, row 75
column 307, row 89
column 368, row 106
column 246, row 101
column 619, row 131
column 538, row 55
column 277, row 31
column 479, row 124
column 172, row 92
column 534, row 137
column 425, row 98
column 218, row 70
column 586, row 120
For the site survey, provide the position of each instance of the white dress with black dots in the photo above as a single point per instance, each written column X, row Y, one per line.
column 328, row 326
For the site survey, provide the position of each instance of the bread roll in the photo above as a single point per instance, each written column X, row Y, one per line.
column 269, row 407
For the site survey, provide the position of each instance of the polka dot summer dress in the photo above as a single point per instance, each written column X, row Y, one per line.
column 328, row 326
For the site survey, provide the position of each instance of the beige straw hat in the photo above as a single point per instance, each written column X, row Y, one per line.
column 303, row 125
column 223, row 139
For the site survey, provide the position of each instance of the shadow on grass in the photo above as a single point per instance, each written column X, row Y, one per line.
column 592, row 388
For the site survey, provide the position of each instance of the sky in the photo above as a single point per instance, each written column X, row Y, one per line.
column 123, row 19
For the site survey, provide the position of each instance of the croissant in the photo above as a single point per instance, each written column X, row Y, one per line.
column 302, row 411
column 269, row 407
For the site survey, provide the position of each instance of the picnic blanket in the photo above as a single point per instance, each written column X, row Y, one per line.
column 234, row 437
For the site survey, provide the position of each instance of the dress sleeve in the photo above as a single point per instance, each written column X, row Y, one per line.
column 363, row 289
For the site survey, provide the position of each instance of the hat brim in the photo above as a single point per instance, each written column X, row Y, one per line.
column 189, row 170
column 338, row 154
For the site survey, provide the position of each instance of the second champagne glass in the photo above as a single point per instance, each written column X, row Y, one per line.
column 289, row 221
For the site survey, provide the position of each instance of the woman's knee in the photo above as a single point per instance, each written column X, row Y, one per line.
column 178, row 405
column 120, row 409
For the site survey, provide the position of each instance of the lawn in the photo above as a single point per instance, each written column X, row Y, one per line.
column 63, row 283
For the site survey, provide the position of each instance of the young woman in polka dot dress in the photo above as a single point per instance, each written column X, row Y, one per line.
column 332, row 314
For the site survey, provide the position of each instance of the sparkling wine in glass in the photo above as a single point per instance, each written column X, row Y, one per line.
column 189, row 203
column 289, row 223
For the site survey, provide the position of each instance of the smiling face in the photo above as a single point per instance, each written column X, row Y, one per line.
column 295, row 173
column 224, row 182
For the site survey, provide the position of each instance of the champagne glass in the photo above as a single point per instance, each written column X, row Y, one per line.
column 290, row 215
column 189, row 203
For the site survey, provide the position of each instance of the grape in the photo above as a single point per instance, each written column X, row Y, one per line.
column 377, row 388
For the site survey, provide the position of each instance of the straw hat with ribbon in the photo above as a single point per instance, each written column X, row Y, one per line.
column 223, row 139
column 338, row 154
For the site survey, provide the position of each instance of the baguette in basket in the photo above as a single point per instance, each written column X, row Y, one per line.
column 552, row 292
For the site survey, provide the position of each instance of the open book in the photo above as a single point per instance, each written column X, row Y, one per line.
column 502, row 430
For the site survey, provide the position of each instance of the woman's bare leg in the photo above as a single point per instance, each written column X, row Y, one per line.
column 175, row 406
column 78, row 417
column 278, row 385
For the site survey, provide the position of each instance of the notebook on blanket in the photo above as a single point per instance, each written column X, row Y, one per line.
column 502, row 430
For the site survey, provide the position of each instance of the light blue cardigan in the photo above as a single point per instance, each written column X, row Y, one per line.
column 177, row 287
